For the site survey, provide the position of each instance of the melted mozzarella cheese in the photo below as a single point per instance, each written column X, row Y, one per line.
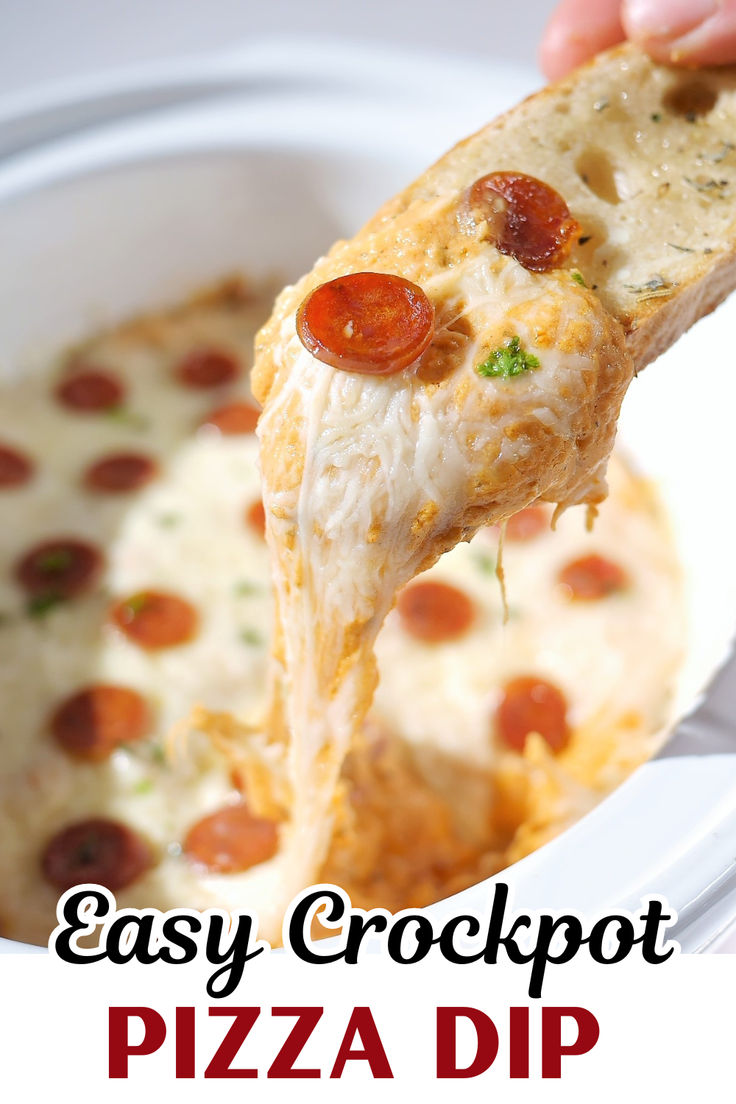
column 369, row 479
column 425, row 787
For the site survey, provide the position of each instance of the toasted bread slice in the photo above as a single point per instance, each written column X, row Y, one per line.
column 645, row 157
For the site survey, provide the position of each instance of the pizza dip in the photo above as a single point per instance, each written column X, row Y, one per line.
column 148, row 740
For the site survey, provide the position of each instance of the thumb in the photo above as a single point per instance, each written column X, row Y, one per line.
column 683, row 32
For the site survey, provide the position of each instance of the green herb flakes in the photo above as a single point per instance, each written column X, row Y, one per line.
column 57, row 559
column 656, row 288
column 41, row 604
column 708, row 186
column 244, row 588
column 252, row 637
column 129, row 418
column 485, row 563
column 144, row 786
column 578, row 278
column 510, row 360
column 136, row 604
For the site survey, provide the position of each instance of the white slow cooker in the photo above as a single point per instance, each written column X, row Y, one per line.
column 127, row 192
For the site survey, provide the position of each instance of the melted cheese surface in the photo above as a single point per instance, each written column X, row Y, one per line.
column 428, row 800
column 369, row 479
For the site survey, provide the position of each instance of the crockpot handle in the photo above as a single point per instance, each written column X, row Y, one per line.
column 710, row 727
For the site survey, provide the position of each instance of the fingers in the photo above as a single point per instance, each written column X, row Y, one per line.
column 577, row 30
column 683, row 32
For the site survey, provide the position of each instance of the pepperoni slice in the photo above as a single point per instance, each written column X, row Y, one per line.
column 90, row 390
column 367, row 322
column 63, row 568
column 202, row 368
column 592, row 577
column 92, row 723
column 527, row 524
column 120, row 472
column 255, row 517
column 527, row 219
column 15, row 468
column 234, row 418
column 154, row 619
column 531, row 704
column 231, row 839
column 435, row 612
column 95, row 850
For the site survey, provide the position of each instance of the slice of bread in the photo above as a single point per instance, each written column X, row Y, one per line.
column 645, row 157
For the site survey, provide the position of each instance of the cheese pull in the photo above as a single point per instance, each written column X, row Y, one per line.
column 465, row 355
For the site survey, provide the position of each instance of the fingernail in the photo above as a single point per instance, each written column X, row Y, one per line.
column 667, row 19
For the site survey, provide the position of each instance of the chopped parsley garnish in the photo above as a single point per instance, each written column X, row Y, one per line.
column 509, row 360
column 58, row 559
column 252, row 637
column 578, row 278
column 168, row 521
column 144, row 786
column 485, row 563
column 656, row 117
column 136, row 604
column 244, row 588
column 130, row 418
column 40, row 604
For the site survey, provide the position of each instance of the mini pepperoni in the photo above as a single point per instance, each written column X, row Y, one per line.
column 234, row 418
column 95, row 850
column 120, row 472
column 531, row 704
column 592, row 577
column 202, row 368
column 528, row 220
column 15, row 468
column 63, row 568
column 90, row 390
column 527, row 524
column 231, row 840
column 435, row 612
column 255, row 517
column 366, row 322
column 154, row 619
column 94, row 721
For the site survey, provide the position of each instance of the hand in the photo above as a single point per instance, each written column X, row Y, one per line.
column 676, row 32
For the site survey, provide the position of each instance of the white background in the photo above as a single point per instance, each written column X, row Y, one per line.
column 673, row 1042
column 44, row 41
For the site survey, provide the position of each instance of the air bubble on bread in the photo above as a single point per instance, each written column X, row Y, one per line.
column 692, row 99
column 597, row 172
